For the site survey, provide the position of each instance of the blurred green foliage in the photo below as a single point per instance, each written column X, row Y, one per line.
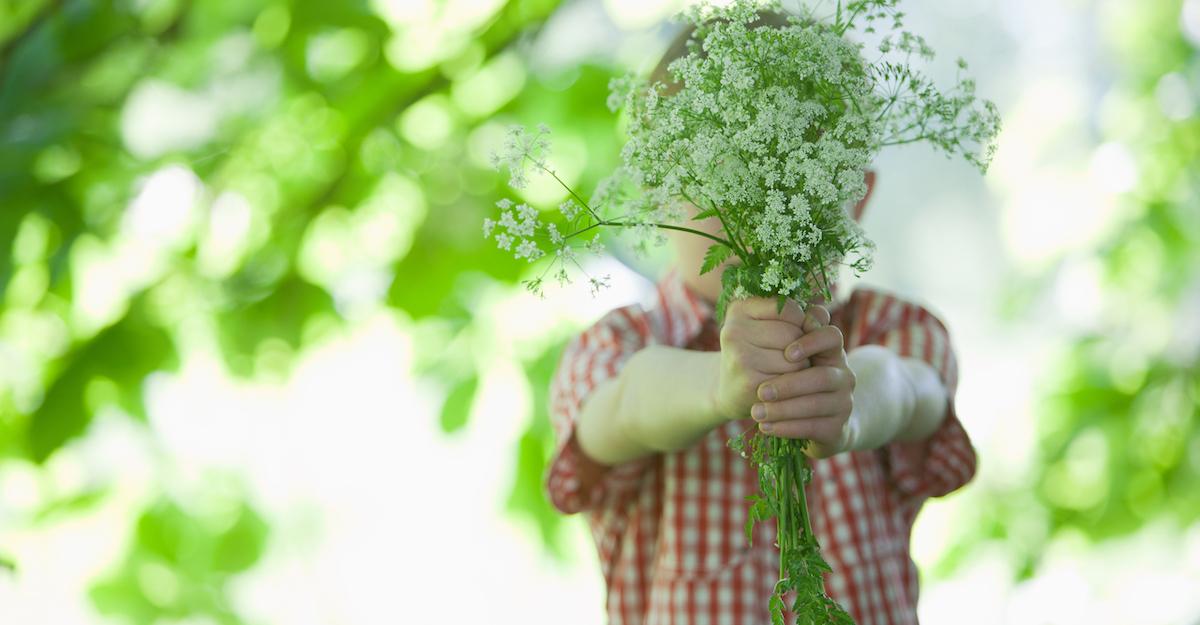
column 340, row 129
column 179, row 563
column 324, row 135
column 1118, row 438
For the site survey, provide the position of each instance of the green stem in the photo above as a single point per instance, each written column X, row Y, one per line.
column 783, row 529
column 899, row 142
column 734, row 244
column 602, row 222
column 691, row 231
column 572, row 192
column 583, row 230
column 619, row 224
column 843, row 26
column 882, row 113
column 801, row 467
column 737, row 245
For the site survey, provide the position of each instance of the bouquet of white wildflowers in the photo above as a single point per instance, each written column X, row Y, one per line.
column 768, row 127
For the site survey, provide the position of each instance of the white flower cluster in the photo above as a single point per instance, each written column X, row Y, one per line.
column 770, row 131
column 520, row 150
column 773, row 127
column 517, row 226
column 521, row 229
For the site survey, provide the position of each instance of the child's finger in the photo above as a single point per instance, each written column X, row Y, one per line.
column 816, row 316
column 791, row 313
column 824, row 339
column 824, row 430
column 821, row 379
column 766, row 333
column 764, row 308
column 804, row 407
column 769, row 361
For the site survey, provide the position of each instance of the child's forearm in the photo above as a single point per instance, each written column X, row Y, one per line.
column 895, row 398
column 662, row 400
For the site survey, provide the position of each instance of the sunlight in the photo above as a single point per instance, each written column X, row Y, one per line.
column 159, row 117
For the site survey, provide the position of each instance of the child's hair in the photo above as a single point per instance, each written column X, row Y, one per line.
column 678, row 48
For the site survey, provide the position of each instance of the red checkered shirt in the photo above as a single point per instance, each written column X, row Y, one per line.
column 669, row 528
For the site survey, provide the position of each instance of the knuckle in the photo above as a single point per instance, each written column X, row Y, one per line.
column 826, row 377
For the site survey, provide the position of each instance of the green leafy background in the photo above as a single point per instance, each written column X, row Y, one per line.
column 258, row 365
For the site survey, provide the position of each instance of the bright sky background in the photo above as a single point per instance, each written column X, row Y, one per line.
column 391, row 522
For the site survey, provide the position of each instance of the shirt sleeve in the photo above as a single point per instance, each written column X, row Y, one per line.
column 575, row 482
column 944, row 461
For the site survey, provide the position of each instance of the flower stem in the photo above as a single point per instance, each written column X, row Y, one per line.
column 621, row 224
column 603, row 222
column 569, row 190
column 696, row 232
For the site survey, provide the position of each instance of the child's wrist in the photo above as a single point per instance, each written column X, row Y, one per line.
column 711, row 408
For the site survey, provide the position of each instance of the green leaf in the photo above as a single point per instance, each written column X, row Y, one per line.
column 705, row 214
column 125, row 353
column 239, row 547
column 716, row 254
column 526, row 499
column 264, row 306
column 76, row 503
column 456, row 411
column 161, row 530
column 776, row 607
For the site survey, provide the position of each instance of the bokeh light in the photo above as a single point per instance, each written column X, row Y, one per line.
column 258, row 364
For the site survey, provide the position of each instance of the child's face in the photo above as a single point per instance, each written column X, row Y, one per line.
column 690, row 249
column 689, row 255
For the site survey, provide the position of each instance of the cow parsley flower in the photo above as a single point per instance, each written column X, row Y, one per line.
column 529, row 250
column 767, row 127
column 522, row 149
column 601, row 282
column 570, row 209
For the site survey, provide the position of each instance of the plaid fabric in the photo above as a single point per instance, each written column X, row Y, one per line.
column 669, row 528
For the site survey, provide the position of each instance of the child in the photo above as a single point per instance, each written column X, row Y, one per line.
column 644, row 401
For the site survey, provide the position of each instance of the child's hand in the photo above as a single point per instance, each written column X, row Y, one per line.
column 753, row 339
column 812, row 402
